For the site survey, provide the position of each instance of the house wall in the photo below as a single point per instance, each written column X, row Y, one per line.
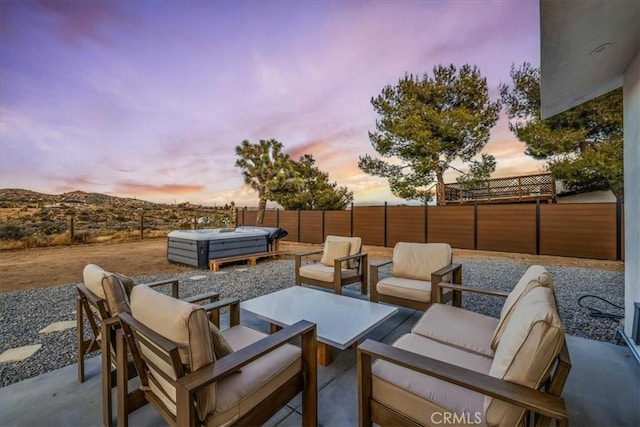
column 631, row 94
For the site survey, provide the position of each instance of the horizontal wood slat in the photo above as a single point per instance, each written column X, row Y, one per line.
column 578, row 230
column 368, row 224
column 405, row 224
column 452, row 225
column 289, row 221
column 337, row 223
column 311, row 227
column 507, row 228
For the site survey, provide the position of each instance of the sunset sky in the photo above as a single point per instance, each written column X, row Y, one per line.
column 148, row 99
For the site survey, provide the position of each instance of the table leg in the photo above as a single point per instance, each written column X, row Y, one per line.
column 324, row 354
column 274, row 328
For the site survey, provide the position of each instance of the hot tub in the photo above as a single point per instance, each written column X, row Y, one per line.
column 197, row 247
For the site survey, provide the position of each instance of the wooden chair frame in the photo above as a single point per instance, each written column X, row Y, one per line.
column 436, row 278
column 188, row 385
column 102, row 324
column 547, row 404
column 362, row 260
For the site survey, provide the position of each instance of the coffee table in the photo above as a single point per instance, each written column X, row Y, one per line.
column 340, row 321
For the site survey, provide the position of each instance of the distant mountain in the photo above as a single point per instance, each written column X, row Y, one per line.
column 28, row 196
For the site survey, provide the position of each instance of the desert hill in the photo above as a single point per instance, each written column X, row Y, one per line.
column 18, row 195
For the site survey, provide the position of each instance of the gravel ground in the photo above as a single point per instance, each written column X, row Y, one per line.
column 24, row 313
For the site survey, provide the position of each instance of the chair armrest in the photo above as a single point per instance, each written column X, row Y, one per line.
column 524, row 397
column 303, row 254
column 465, row 288
column 373, row 276
column 229, row 364
column 437, row 291
column 213, row 308
column 211, row 296
column 378, row 264
column 173, row 282
column 348, row 257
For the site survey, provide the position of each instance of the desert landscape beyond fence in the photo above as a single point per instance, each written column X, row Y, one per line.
column 594, row 230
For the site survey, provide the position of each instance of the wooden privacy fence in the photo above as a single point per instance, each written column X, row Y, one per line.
column 594, row 230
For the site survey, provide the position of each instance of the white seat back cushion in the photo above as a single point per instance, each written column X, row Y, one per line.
column 354, row 248
column 418, row 260
column 92, row 276
column 535, row 276
column 529, row 346
column 183, row 323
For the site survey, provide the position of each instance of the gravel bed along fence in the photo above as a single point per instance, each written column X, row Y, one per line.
column 24, row 313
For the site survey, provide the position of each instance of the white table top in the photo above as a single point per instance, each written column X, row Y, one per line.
column 340, row 320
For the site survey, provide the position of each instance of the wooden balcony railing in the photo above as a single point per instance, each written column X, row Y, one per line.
column 524, row 188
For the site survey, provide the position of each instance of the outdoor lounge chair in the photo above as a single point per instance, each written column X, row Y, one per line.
column 416, row 267
column 174, row 349
column 342, row 263
column 426, row 380
column 92, row 304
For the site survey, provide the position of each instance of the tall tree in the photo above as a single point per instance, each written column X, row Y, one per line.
column 583, row 146
column 265, row 168
column 311, row 189
column 427, row 123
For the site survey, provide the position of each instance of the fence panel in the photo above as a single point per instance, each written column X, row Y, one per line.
column 270, row 218
column 578, row 230
column 337, row 223
column 405, row 224
column 289, row 221
column 368, row 223
column 451, row 224
column 311, row 227
column 507, row 228
column 250, row 218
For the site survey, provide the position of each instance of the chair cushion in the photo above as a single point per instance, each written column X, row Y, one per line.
column 92, row 276
column 458, row 327
column 335, row 249
column 354, row 249
column 534, row 277
column 116, row 295
column 239, row 393
column 221, row 347
column 527, row 351
column 416, row 290
column 183, row 323
column 127, row 282
column 422, row 397
column 323, row 273
column 418, row 260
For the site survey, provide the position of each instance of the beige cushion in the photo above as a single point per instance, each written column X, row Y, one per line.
column 334, row 249
column 455, row 326
column 183, row 323
column 534, row 277
column 354, row 249
column 221, row 347
column 92, row 276
column 127, row 282
column 323, row 273
column 116, row 295
column 415, row 290
column 422, row 397
column 528, row 348
column 239, row 393
column 418, row 260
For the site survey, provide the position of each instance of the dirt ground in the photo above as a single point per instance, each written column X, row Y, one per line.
column 44, row 267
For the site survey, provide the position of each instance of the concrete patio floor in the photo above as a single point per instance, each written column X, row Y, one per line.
column 603, row 388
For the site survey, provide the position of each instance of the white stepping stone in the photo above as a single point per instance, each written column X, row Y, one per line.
column 197, row 277
column 241, row 269
column 18, row 354
column 58, row 326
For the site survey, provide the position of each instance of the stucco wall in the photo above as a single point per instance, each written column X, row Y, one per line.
column 631, row 91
